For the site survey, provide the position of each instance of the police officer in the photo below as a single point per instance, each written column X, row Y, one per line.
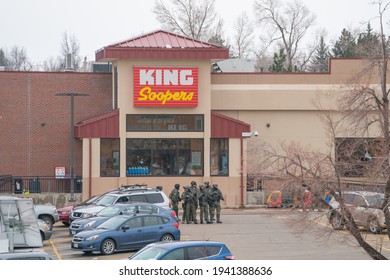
column 194, row 189
column 189, row 199
column 203, row 204
column 175, row 199
column 183, row 205
column 216, row 196
column 209, row 201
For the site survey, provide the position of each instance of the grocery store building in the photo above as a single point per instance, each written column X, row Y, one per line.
column 161, row 117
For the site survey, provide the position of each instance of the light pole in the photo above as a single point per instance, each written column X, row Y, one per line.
column 72, row 95
column 244, row 135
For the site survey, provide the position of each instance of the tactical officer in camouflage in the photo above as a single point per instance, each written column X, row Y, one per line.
column 183, row 205
column 175, row 199
column 203, row 204
column 215, row 197
column 189, row 199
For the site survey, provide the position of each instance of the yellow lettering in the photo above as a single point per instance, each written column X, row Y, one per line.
column 146, row 93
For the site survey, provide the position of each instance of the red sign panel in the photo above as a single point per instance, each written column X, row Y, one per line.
column 165, row 87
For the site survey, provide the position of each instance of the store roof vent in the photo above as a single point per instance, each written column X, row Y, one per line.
column 69, row 63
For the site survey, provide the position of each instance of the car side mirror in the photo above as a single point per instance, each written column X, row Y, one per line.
column 125, row 227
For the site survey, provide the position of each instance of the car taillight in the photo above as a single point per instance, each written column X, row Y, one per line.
column 230, row 257
column 176, row 225
column 173, row 213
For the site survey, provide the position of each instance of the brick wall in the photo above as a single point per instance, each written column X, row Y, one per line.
column 35, row 124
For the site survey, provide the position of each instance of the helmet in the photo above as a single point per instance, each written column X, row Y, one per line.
column 215, row 186
column 177, row 186
column 201, row 186
column 207, row 184
column 193, row 183
column 159, row 188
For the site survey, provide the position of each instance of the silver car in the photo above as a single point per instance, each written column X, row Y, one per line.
column 365, row 208
column 44, row 230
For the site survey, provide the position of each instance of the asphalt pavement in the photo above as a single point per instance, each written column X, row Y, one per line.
column 256, row 234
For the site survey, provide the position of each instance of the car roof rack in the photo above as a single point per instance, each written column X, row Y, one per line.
column 134, row 187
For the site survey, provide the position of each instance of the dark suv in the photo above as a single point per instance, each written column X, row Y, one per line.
column 124, row 194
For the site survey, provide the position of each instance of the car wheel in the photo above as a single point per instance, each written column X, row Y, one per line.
column 107, row 247
column 167, row 238
column 337, row 221
column 373, row 226
column 48, row 221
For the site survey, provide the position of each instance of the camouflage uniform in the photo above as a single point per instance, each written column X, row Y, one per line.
column 203, row 204
column 194, row 190
column 209, row 202
column 175, row 199
column 184, row 205
column 215, row 196
column 189, row 199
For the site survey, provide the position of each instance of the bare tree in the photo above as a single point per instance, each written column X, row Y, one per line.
column 362, row 111
column 69, row 45
column 367, row 105
column 217, row 36
column 303, row 166
column 17, row 59
column 287, row 26
column 192, row 18
column 52, row 64
column 243, row 36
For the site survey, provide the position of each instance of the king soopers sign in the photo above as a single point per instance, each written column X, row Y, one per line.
column 165, row 87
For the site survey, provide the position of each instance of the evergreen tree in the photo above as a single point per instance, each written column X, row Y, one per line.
column 3, row 58
column 368, row 44
column 279, row 63
column 345, row 46
column 319, row 63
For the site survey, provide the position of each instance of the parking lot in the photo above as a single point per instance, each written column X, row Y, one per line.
column 253, row 234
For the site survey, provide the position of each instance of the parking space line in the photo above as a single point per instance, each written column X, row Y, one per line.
column 53, row 246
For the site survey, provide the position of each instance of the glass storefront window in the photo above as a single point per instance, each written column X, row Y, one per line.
column 219, row 157
column 164, row 157
column 109, row 157
column 164, row 122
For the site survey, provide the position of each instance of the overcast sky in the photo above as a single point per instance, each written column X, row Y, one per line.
column 38, row 25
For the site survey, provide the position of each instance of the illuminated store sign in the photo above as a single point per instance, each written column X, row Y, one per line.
column 165, row 87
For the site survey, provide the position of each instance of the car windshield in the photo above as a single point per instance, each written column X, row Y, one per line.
column 90, row 200
column 149, row 254
column 113, row 223
column 375, row 200
column 109, row 212
column 106, row 200
column 114, row 210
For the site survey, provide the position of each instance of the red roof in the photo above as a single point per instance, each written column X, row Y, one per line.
column 103, row 126
column 107, row 126
column 226, row 127
column 162, row 44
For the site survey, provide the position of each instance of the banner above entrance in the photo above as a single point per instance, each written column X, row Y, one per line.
column 165, row 87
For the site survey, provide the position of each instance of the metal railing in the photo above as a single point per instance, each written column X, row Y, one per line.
column 38, row 184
